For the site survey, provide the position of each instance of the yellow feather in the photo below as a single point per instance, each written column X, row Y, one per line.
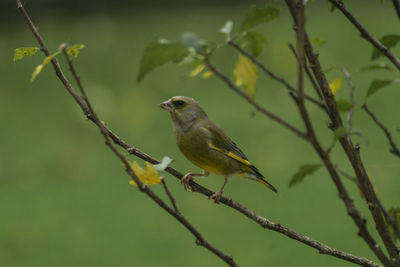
column 230, row 154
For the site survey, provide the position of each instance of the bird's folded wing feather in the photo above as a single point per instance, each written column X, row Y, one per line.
column 222, row 143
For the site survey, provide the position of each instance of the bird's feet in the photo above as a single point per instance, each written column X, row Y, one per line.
column 216, row 196
column 186, row 179
column 189, row 176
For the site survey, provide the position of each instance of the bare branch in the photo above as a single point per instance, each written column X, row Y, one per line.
column 394, row 149
column 273, row 75
column 171, row 198
column 297, row 13
column 365, row 34
column 261, row 109
column 310, row 76
column 352, row 102
column 396, row 5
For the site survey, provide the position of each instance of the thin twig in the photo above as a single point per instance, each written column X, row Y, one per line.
column 346, row 175
column 273, row 75
column 365, row 34
column 265, row 223
column 352, row 102
column 171, row 198
column 310, row 76
column 351, row 152
column 258, row 107
column 396, row 5
column 394, row 149
column 332, row 146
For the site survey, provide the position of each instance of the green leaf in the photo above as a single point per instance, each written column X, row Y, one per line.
column 340, row 132
column 163, row 164
column 333, row 8
column 343, row 105
column 302, row 172
column 22, row 52
column 255, row 40
column 191, row 40
column 227, row 29
column 389, row 41
column 75, row 49
column 157, row 53
column 46, row 61
column 317, row 41
column 376, row 85
column 256, row 16
column 377, row 66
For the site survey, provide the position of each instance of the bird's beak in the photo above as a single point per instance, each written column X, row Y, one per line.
column 167, row 105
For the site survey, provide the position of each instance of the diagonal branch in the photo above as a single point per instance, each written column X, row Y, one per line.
column 273, row 75
column 395, row 150
column 396, row 5
column 365, row 34
column 309, row 75
column 352, row 102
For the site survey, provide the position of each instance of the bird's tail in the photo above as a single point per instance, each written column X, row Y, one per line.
column 270, row 186
column 260, row 178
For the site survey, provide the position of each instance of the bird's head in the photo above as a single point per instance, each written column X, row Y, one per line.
column 184, row 110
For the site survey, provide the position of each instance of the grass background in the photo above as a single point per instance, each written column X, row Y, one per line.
column 65, row 199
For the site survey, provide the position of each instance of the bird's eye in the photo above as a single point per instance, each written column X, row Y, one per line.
column 179, row 103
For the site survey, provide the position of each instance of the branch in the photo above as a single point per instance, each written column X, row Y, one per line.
column 365, row 34
column 352, row 102
column 298, row 17
column 171, row 198
column 309, row 75
column 395, row 150
column 265, row 223
column 261, row 109
column 273, row 75
column 396, row 5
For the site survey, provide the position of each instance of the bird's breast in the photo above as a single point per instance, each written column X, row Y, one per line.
column 194, row 145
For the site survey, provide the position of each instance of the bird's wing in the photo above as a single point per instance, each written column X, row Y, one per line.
column 221, row 142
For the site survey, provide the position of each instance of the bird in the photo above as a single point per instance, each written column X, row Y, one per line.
column 206, row 145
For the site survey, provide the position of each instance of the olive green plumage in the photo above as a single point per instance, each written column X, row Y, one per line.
column 205, row 144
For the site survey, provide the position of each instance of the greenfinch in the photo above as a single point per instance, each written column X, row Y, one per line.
column 206, row 145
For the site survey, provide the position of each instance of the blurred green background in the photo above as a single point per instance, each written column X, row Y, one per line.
column 65, row 199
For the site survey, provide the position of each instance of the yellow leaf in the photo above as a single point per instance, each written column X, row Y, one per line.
column 148, row 176
column 37, row 70
column 46, row 61
column 245, row 73
column 207, row 74
column 197, row 70
column 75, row 49
column 335, row 85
